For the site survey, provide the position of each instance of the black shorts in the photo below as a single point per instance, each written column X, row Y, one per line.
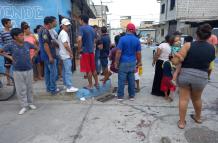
column 104, row 62
column 8, row 63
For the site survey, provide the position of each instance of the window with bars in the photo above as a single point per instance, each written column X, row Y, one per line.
column 163, row 9
column 162, row 32
column 172, row 4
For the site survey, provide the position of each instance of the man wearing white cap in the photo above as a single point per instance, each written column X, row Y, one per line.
column 66, row 55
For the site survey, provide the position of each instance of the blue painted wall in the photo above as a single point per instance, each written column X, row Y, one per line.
column 32, row 11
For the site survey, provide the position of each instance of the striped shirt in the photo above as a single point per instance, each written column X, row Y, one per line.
column 5, row 38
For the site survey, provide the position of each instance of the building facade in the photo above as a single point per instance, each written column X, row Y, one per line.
column 101, row 15
column 124, row 21
column 186, row 15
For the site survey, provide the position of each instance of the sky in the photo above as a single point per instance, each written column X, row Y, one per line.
column 140, row 10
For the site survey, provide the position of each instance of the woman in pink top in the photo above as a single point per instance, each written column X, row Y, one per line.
column 29, row 37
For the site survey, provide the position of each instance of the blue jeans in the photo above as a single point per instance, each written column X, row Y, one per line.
column 50, row 76
column 126, row 72
column 97, row 61
column 57, row 63
column 104, row 63
column 67, row 73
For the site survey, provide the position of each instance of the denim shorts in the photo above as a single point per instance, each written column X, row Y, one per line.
column 193, row 78
column 104, row 62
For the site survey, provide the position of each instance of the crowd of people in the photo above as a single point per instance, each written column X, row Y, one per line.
column 187, row 67
column 37, row 56
column 46, row 54
column 50, row 56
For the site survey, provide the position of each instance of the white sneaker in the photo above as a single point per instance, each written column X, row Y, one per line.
column 22, row 111
column 132, row 98
column 72, row 89
column 119, row 99
column 32, row 107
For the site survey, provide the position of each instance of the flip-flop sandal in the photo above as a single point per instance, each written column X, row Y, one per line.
column 85, row 76
column 10, row 84
column 97, row 86
column 179, row 125
column 196, row 121
column 170, row 99
column 104, row 82
column 115, row 90
column 89, row 88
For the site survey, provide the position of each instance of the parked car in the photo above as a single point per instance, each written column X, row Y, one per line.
column 215, row 31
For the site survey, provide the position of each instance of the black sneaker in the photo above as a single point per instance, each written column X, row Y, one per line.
column 119, row 98
column 55, row 92
column 131, row 98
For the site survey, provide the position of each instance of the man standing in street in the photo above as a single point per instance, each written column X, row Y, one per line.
column 48, row 55
column 66, row 55
column 5, row 39
column 104, row 46
column 97, row 51
column 54, row 36
column 86, row 44
column 127, row 57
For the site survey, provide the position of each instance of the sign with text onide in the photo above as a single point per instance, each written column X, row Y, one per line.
column 33, row 11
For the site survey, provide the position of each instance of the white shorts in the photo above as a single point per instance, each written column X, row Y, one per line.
column 137, row 77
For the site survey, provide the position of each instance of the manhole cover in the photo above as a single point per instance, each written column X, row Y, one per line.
column 105, row 98
column 201, row 135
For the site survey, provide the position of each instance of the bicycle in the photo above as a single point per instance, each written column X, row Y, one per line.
column 7, row 86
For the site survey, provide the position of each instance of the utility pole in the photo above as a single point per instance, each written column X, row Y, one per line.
column 103, row 13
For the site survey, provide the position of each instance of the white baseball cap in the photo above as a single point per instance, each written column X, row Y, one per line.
column 65, row 22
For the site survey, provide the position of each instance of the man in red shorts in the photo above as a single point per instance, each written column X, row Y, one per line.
column 86, row 40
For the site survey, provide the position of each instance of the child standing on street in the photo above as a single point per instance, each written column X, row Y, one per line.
column 112, row 68
column 137, row 78
column 23, row 74
column 166, row 83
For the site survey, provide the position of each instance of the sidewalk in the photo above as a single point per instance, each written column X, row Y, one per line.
column 78, row 81
column 40, row 89
column 148, row 119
